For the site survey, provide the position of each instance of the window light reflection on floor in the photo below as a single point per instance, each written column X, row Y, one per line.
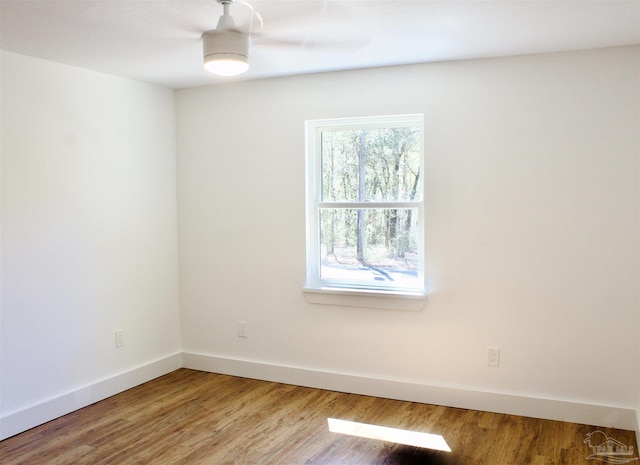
column 383, row 433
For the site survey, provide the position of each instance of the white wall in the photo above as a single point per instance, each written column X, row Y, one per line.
column 532, row 240
column 89, row 233
column 532, row 232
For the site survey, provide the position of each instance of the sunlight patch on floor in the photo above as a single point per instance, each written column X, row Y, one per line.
column 383, row 433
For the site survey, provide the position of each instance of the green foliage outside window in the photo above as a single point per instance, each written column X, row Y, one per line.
column 370, row 165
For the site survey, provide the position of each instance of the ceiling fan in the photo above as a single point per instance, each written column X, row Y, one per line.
column 226, row 48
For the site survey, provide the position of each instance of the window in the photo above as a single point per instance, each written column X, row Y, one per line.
column 365, row 209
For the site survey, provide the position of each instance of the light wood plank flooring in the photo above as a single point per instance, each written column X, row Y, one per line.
column 192, row 417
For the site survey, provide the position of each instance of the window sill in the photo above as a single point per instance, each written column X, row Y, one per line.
column 366, row 298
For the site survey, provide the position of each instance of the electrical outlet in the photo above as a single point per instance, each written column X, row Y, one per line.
column 493, row 356
column 119, row 338
column 242, row 329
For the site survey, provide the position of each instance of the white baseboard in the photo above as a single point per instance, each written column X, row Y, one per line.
column 550, row 409
column 43, row 412
column 637, row 428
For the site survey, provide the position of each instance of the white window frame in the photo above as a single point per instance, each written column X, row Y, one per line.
column 315, row 285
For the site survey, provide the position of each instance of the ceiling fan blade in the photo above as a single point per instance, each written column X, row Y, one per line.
column 310, row 43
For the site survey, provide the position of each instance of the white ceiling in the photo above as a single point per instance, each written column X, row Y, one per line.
column 159, row 41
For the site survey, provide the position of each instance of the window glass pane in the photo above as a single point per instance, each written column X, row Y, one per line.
column 371, row 164
column 370, row 247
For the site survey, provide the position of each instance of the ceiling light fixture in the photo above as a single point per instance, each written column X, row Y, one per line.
column 225, row 48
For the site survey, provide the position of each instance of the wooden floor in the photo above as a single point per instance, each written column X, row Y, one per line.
column 192, row 417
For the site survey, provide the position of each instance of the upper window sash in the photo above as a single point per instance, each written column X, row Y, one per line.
column 314, row 130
